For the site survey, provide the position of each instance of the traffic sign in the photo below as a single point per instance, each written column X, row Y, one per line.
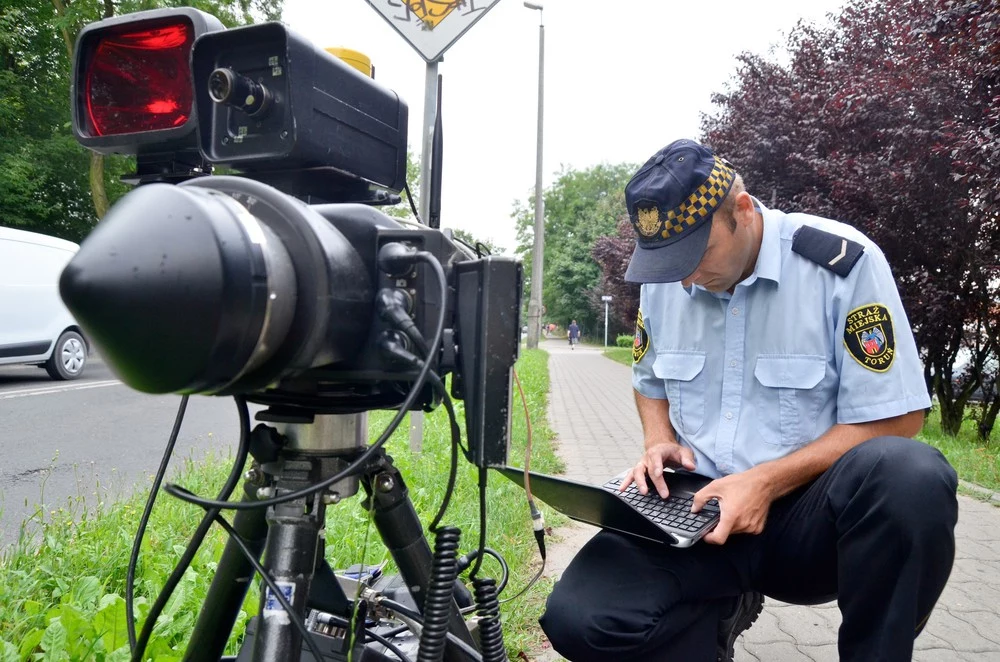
column 432, row 26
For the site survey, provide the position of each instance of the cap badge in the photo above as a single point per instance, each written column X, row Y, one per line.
column 648, row 221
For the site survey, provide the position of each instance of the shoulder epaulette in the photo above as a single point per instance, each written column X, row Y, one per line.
column 826, row 249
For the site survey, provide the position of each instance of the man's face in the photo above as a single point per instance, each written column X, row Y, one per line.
column 727, row 257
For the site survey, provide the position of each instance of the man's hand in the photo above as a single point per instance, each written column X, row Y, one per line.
column 665, row 454
column 744, row 501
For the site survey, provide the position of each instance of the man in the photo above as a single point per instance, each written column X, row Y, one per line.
column 774, row 356
column 573, row 332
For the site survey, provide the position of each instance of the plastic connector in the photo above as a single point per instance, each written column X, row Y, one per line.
column 538, row 524
column 396, row 258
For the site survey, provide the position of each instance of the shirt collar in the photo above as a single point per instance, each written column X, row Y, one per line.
column 768, row 258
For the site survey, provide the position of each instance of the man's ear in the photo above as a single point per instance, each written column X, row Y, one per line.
column 743, row 210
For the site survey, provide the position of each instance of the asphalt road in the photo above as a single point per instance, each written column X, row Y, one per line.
column 92, row 439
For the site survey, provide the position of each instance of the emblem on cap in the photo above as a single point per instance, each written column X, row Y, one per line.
column 869, row 337
column 647, row 221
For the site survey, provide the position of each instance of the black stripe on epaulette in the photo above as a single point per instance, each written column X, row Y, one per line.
column 826, row 249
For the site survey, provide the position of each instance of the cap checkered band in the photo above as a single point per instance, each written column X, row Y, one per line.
column 700, row 204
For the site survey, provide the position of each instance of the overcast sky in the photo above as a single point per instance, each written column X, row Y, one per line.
column 622, row 79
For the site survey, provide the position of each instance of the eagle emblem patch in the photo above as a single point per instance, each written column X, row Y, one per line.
column 641, row 342
column 869, row 337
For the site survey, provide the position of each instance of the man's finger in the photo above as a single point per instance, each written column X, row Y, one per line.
column 720, row 533
column 660, row 483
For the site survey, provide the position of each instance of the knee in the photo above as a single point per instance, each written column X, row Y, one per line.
column 909, row 480
column 565, row 624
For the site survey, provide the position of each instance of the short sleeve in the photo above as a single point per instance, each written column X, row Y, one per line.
column 880, row 371
column 644, row 381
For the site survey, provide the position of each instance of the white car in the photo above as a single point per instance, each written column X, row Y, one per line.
column 35, row 326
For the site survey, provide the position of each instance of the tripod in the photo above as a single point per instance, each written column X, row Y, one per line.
column 289, row 456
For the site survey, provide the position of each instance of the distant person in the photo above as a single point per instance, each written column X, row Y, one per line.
column 573, row 332
column 774, row 356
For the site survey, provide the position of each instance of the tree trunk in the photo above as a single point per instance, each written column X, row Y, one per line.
column 989, row 419
column 97, row 192
column 951, row 417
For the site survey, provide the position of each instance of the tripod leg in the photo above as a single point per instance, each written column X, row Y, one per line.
column 229, row 586
column 401, row 531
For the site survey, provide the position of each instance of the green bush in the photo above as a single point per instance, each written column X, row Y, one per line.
column 625, row 340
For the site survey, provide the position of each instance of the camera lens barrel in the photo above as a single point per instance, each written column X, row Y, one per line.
column 228, row 87
column 220, row 285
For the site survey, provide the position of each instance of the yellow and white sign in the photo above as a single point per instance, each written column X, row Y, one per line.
column 431, row 26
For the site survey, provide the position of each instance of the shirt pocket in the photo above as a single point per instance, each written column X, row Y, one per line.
column 686, row 387
column 786, row 402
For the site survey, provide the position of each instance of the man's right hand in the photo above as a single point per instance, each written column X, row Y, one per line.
column 650, row 466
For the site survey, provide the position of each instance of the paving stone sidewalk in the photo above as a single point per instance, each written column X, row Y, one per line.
column 592, row 412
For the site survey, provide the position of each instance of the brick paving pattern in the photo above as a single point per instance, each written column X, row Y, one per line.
column 592, row 412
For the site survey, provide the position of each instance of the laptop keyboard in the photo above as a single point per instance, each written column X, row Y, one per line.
column 673, row 512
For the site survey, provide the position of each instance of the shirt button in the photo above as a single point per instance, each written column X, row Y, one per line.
column 732, row 364
column 729, row 415
column 736, row 311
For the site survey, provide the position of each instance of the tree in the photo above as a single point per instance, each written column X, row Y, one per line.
column 612, row 254
column 869, row 123
column 580, row 207
column 48, row 183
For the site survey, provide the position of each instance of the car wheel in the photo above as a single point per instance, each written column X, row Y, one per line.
column 68, row 358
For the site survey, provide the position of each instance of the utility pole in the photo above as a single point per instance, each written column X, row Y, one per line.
column 535, row 298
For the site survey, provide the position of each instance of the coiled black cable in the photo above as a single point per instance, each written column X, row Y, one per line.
column 488, row 609
column 437, row 603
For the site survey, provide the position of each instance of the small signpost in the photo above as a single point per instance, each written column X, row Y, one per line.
column 606, row 299
column 430, row 27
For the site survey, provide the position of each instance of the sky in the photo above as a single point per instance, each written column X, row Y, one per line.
column 622, row 79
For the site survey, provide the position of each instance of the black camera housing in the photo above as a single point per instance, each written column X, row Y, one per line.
column 323, row 127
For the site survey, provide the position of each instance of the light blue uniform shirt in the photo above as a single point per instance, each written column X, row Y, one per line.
column 753, row 376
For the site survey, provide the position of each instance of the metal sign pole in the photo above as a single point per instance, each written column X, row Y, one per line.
column 606, row 299
column 430, row 108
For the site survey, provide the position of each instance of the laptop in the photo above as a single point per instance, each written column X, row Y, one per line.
column 667, row 520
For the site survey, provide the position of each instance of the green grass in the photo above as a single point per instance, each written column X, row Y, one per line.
column 622, row 355
column 61, row 591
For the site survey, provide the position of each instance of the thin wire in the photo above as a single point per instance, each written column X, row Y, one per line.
column 455, row 437
column 361, row 461
column 482, row 522
column 409, row 196
column 296, row 621
column 140, row 532
column 416, row 617
column 199, row 535
column 529, row 585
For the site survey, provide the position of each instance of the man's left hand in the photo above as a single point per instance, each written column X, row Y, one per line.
column 743, row 501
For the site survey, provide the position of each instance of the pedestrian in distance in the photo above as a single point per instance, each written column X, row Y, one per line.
column 774, row 356
column 573, row 333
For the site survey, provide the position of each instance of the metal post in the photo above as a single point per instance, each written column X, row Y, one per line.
column 606, row 299
column 605, row 323
column 430, row 108
column 535, row 300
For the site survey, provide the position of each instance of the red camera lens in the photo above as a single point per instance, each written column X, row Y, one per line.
column 139, row 79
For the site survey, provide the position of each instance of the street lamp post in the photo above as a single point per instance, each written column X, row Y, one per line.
column 535, row 299
column 606, row 299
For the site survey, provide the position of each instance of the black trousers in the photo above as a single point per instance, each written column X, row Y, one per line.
column 875, row 531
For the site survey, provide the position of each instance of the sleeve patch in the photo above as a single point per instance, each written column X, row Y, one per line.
column 869, row 337
column 641, row 342
column 826, row 249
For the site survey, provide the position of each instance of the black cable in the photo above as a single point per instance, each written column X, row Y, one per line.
column 409, row 196
column 465, row 561
column 482, row 521
column 362, row 459
column 415, row 616
column 455, row 436
column 277, row 592
column 140, row 532
column 199, row 535
column 527, row 586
